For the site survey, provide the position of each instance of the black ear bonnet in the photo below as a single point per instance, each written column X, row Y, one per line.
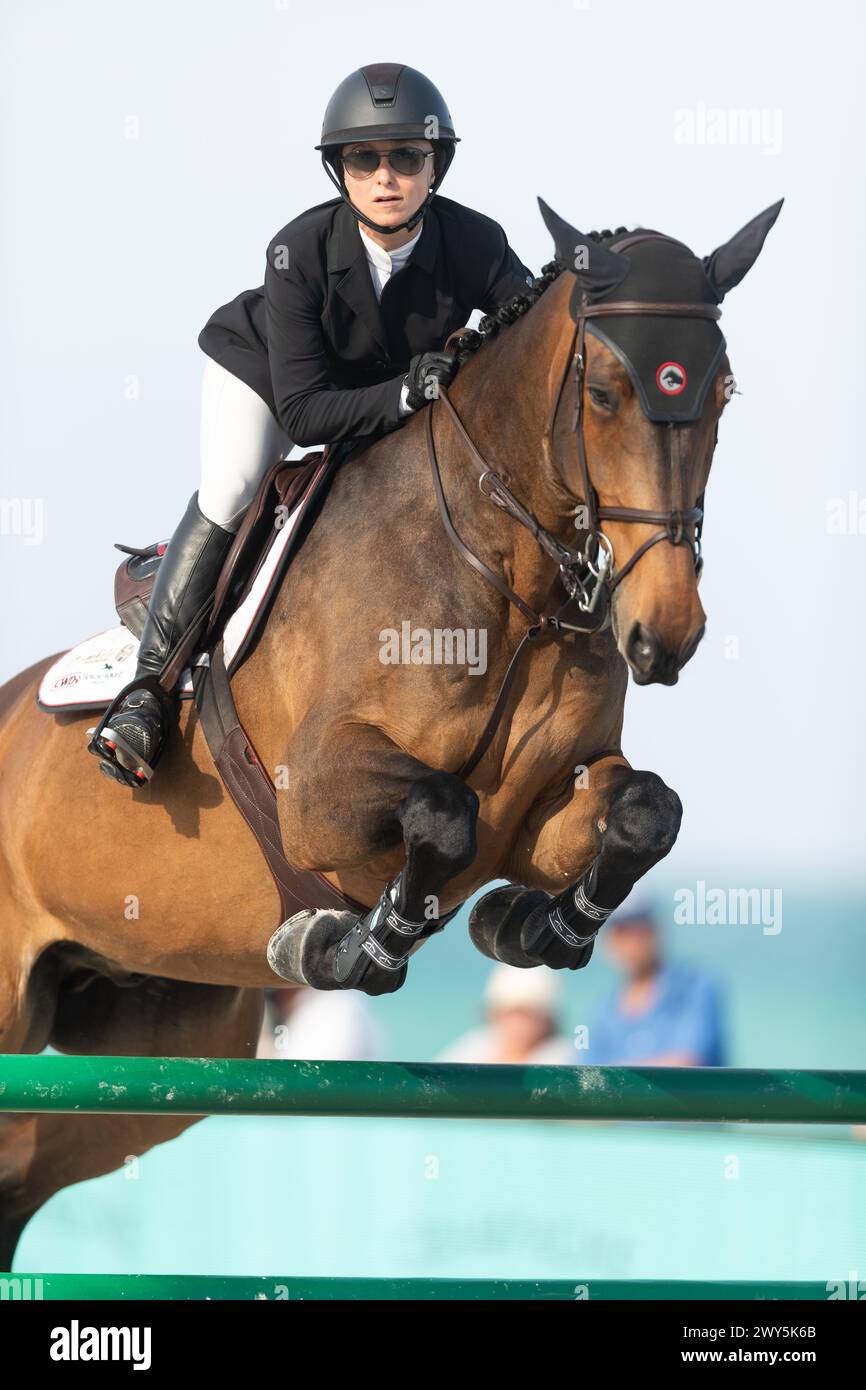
column 672, row 361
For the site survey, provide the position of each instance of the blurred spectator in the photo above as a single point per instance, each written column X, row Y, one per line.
column 313, row 1024
column 666, row 1014
column 521, row 1024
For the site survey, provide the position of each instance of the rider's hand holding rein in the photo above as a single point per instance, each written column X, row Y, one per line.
column 427, row 372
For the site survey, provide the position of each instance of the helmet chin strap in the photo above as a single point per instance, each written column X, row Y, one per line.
column 368, row 221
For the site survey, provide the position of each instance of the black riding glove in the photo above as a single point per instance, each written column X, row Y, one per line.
column 426, row 373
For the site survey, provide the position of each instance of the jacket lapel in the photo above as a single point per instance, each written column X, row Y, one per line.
column 424, row 255
column 347, row 259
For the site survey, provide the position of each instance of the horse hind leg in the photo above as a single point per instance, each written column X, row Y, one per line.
column 27, row 1008
column 43, row 1153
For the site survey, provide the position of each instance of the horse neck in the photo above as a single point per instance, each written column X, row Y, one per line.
column 504, row 397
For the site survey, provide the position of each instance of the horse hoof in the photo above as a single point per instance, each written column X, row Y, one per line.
column 537, row 935
column 302, row 949
column 496, row 921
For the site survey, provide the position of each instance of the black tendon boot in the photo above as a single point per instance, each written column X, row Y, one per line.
column 131, row 736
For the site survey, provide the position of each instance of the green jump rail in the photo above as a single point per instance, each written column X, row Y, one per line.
column 174, row 1287
column 201, row 1086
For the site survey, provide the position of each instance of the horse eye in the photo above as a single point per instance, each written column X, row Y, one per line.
column 599, row 397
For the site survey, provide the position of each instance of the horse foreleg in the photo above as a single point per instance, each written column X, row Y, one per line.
column 391, row 796
column 600, row 839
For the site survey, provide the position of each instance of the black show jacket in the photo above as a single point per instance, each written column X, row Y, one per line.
column 314, row 343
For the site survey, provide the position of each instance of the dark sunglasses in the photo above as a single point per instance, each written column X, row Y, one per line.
column 362, row 164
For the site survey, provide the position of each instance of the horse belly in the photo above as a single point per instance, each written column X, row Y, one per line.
column 167, row 880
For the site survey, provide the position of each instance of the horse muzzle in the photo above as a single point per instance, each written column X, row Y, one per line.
column 651, row 662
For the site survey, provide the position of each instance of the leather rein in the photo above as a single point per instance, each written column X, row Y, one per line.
column 585, row 576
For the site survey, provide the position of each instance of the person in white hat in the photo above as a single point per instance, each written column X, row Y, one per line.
column 521, row 1021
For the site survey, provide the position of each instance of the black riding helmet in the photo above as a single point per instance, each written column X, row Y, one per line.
column 387, row 101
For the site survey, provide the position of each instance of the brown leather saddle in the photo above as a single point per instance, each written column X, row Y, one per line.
column 295, row 488
column 286, row 484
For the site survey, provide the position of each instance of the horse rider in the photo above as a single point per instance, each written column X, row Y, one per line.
column 341, row 343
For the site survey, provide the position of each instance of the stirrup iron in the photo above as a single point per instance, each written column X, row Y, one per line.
column 117, row 758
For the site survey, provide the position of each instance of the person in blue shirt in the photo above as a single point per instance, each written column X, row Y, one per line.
column 666, row 1013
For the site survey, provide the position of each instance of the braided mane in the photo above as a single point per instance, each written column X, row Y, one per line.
column 469, row 342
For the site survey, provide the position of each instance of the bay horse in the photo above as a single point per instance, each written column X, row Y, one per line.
column 142, row 923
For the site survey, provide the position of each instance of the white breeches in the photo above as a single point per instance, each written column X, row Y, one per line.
column 240, row 439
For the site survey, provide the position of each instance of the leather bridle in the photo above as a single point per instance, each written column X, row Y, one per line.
column 674, row 522
column 587, row 574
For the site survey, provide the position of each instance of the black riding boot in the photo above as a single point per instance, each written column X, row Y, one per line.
column 133, row 735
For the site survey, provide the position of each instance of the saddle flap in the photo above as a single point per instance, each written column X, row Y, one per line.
column 282, row 486
column 91, row 674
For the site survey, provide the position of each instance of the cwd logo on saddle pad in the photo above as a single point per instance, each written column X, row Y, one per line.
column 671, row 378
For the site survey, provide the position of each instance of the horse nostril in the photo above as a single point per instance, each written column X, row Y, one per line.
column 642, row 648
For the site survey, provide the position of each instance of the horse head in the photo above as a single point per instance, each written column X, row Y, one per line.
column 647, row 379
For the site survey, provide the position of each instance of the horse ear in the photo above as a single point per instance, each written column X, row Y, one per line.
column 597, row 269
column 728, row 264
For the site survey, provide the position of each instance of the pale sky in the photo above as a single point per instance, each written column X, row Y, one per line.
column 148, row 153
